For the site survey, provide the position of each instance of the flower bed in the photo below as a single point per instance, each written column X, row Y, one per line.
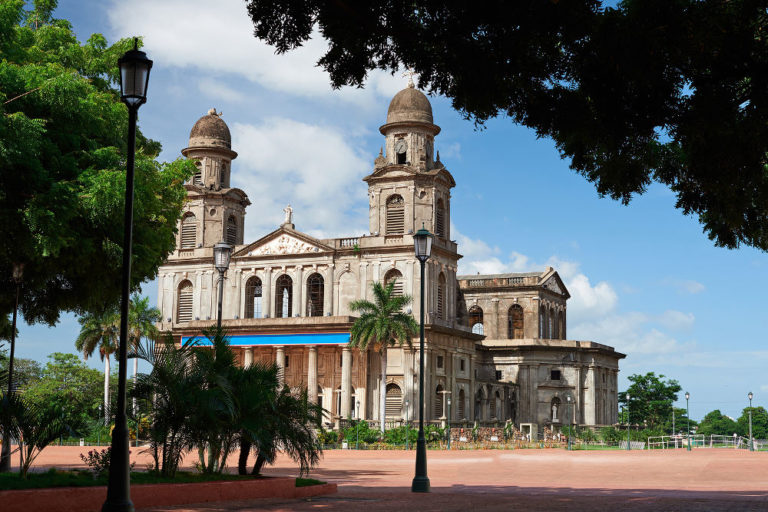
column 85, row 499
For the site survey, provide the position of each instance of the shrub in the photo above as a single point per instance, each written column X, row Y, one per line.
column 98, row 461
column 360, row 430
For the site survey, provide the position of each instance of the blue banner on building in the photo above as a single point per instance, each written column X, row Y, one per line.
column 236, row 340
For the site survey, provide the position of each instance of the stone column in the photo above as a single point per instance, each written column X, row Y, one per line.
column 298, row 286
column 247, row 357
column 328, row 285
column 496, row 324
column 471, row 397
column 363, row 280
column 266, row 293
column 590, row 397
column 409, row 389
column 197, row 296
column 280, row 360
column 312, row 373
column 346, row 381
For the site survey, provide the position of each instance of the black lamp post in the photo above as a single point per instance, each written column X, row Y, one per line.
column 751, row 443
column 449, row 421
column 422, row 243
column 688, row 418
column 5, row 458
column 134, row 78
column 221, row 255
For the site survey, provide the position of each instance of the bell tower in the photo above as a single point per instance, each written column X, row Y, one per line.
column 409, row 187
column 214, row 211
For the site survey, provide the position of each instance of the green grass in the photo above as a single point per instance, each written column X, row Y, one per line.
column 82, row 478
column 306, row 482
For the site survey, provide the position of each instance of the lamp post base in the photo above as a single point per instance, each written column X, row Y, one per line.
column 421, row 481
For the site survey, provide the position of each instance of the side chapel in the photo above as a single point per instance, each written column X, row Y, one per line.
column 495, row 344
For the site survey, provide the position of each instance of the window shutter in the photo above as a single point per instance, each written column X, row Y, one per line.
column 184, row 312
column 395, row 215
column 394, row 402
column 232, row 231
column 189, row 232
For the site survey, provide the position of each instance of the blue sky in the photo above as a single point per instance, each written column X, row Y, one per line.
column 644, row 278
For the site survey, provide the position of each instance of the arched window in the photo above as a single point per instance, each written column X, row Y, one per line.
column 189, row 231
column 184, row 302
column 462, row 405
column 393, row 406
column 555, row 407
column 542, row 321
column 197, row 179
column 550, row 322
column 232, row 231
column 515, row 322
column 440, row 219
column 438, row 402
column 253, row 294
column 315, row 289
column 283, row 297
column 395, row 215
column 397, row 277
column 476, row 319
column 441, row 296
column 562, row 325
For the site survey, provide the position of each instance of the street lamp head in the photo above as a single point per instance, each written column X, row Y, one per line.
column 407, row 402
column 627, row 397
column 449, row 400
column 134, row 76
column 687, row 395
column 750, row 395
column 568, row 398
column 221, row 254
column 18, row 272
column 422, row 244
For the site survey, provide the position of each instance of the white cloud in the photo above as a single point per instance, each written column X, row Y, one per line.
column 216, row 89
column 217, row 37
column 317, row 169
column 685, row 286
column 673, row 319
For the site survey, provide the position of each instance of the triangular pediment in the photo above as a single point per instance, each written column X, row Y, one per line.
column 554, row 284
column 284, row 241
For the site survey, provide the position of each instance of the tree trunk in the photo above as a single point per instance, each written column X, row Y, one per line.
column 107, row 419
column 242, row 461
column 383, row 390
column 260, row 460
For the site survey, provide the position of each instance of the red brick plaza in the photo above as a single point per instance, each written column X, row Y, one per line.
column 546, row 479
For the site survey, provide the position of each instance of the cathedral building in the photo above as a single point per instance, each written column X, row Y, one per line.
column 495, row 345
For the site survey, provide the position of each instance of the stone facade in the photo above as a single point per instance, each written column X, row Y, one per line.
column 286, row 296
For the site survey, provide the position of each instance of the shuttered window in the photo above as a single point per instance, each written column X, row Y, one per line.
column 438, row 403
column 232, row 231
column 395, row 215
column 462, row 406
column 393, row 406
column 441, row 297
column 397, row 277
column 189, row 232
column 184, row 302
column 515, row 322
column 440, row 219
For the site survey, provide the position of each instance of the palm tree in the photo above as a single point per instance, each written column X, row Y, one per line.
column 141, row 324
column 100, row 331
column 382, row 324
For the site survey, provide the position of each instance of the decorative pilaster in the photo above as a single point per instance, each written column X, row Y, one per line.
column 346, row 381
column 312, row 373
column 266, row 292
column 280, row 360
column 298, row 305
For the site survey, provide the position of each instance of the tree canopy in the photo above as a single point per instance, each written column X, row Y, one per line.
column 759, row 423
column 717, row 423
column 650, row 399
column 667, row 91
column 63, row 137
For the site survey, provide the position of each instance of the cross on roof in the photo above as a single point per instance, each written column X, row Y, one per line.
column 409, row 73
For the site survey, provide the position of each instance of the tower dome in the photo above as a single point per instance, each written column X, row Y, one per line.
column 410, row 106
column 210, row 131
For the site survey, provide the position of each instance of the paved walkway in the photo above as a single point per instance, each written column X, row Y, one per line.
column 547, row 480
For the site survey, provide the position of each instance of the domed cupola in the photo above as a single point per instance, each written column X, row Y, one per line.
column 210, row 131
column 410, row 107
